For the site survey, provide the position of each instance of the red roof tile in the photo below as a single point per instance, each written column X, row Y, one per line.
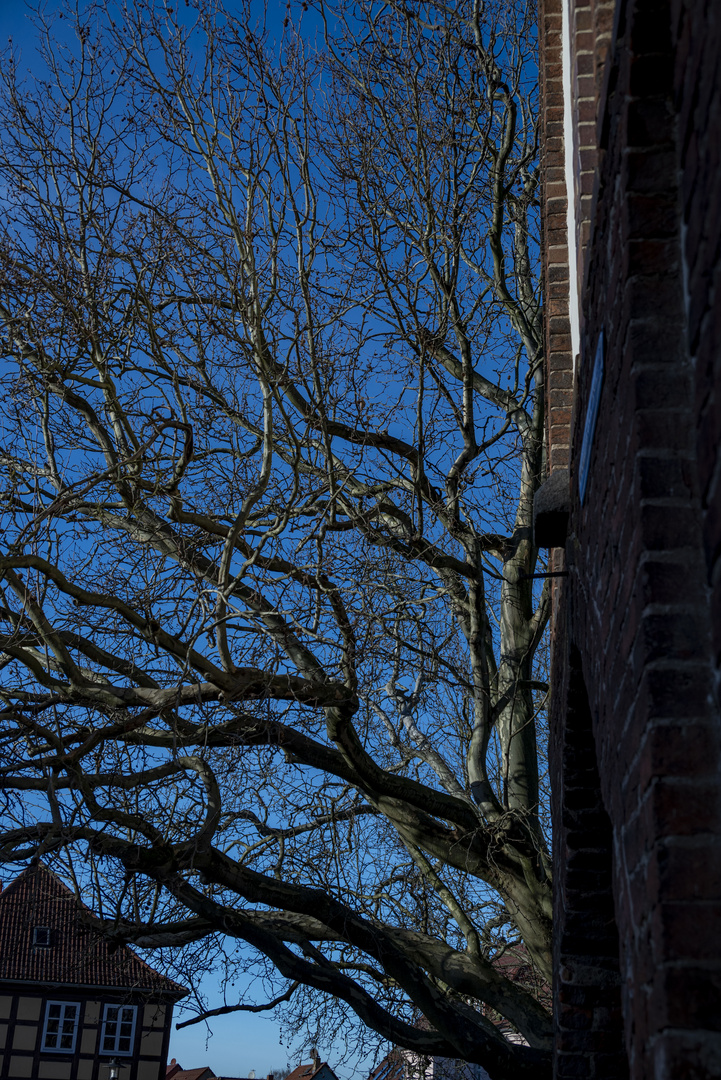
column 77, row 955
column 176, row 1072
column 392, row 1067
column 205, row 1073
column 302, row 1072
column 308, row 1072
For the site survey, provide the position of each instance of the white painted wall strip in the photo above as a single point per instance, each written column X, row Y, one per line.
column 573, row 297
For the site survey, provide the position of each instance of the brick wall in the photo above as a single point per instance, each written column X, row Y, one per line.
column 554, row 204
column 641, row 609
column 697, row 34
column 589, row 1040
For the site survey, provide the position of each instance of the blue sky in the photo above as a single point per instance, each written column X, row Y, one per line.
column 240, row 1042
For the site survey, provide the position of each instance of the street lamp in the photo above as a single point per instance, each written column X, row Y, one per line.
column 113, row 1066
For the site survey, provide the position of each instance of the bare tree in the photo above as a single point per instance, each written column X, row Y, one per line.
column 272, row 360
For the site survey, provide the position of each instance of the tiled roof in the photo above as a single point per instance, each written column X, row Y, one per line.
column 392, row 1067
column 174, row 1072
column 323, row 1071
column 302, row 1072
column 194, row 1074
column 77, row 955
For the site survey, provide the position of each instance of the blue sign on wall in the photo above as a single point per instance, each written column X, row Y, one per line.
column 589, row 427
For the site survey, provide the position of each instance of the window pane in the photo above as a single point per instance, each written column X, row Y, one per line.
column 108, row 1040
column 118, row 1029
column 61, row 1021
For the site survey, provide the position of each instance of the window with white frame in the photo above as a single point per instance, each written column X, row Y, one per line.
column 118, row 1029
column 61, row 1026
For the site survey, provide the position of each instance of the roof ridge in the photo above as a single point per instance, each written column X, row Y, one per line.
column 32, row 867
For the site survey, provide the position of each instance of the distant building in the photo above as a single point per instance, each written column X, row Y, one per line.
column 68, row 1003
column 405, row 1065
column 175, row 1071
column 316, row 1070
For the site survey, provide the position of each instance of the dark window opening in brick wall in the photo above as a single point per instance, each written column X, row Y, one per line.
column 587, row 994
